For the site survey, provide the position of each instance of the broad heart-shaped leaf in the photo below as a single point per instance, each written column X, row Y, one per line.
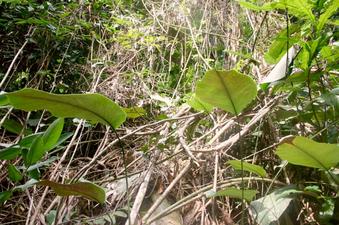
column 268, row 209
column 52, row 134
column 84, row 189
column 236, row 164
column 228, row 90
column 306, row 152
column 235, row 193
column 92, row 107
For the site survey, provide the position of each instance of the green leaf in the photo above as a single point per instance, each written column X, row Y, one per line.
column 36, row 152
column 27, row 141
column 3, row 99
column 268, row 209
column 306, row 152
column 134, row 112
column 84, row 189
column 278, row 47
column 13, row 126
column 13, row 173
column 331, row 9
column 92, row 107
column 199, row 105
column 228, row 90
column 236, row 164
column 4, row 196
column 10, row 152
column 235, row 193
column 52, row 134
column 298, row 8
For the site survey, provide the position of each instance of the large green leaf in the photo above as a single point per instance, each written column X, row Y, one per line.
column 235, row 193
column 305, row 152
column 85, row 189
column 228, row 90
column 92, row 107
column 236, row 164
column 268, row 209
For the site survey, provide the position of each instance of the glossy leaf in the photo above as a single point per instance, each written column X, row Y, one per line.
column 14, row 174
column 84, row 189
column 52, row 134
column 10, row 152
column 268, row 209
column 228, row 90
column 306, row 152
column 235, row 193
column 236, row 164
column 92, row 107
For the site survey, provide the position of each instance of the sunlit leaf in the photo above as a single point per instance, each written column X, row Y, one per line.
column 92, row 107
column 84, row 189
column 306, row 152
column 228, row 90
column 278, row 48
column 330, row 10
column 236, row 164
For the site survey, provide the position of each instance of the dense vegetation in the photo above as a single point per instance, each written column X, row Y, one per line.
column 172, row 112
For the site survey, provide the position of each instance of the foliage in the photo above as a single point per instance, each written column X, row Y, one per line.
column 151, row 58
